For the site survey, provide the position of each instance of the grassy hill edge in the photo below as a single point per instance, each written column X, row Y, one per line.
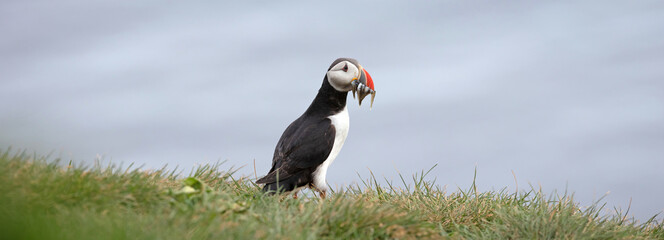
column 41, row 198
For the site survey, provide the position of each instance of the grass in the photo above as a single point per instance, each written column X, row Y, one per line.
column 45, row 199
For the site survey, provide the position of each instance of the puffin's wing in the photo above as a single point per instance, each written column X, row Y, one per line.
column 303, row 145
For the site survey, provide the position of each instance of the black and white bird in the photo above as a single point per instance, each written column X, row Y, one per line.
column 311, row 143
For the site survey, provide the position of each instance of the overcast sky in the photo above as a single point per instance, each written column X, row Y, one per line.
column 565, row 95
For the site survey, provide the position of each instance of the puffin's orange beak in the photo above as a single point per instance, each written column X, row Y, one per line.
column 366, row 79
column 364, row 86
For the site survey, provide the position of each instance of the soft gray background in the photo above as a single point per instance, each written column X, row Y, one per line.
column 566, row 95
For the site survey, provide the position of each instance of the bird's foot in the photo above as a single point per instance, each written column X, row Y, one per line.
column 322, row 194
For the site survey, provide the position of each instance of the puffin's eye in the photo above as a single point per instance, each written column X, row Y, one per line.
column 345, row 67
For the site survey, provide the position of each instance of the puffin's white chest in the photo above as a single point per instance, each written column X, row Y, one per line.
column 341, row 123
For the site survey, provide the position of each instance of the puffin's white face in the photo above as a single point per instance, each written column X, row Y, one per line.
column 348, row 76
column 341, row 75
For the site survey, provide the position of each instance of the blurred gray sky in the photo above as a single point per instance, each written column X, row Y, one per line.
column 566, row 95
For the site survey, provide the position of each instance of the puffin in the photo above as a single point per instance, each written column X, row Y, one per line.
column 311, row 143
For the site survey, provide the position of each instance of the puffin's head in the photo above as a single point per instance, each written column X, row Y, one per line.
column 346, row 74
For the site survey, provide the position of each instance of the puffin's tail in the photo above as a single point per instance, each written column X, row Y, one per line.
column 270, row 188
column 285, row 185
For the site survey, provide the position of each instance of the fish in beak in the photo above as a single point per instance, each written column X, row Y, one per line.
column 363, row 86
